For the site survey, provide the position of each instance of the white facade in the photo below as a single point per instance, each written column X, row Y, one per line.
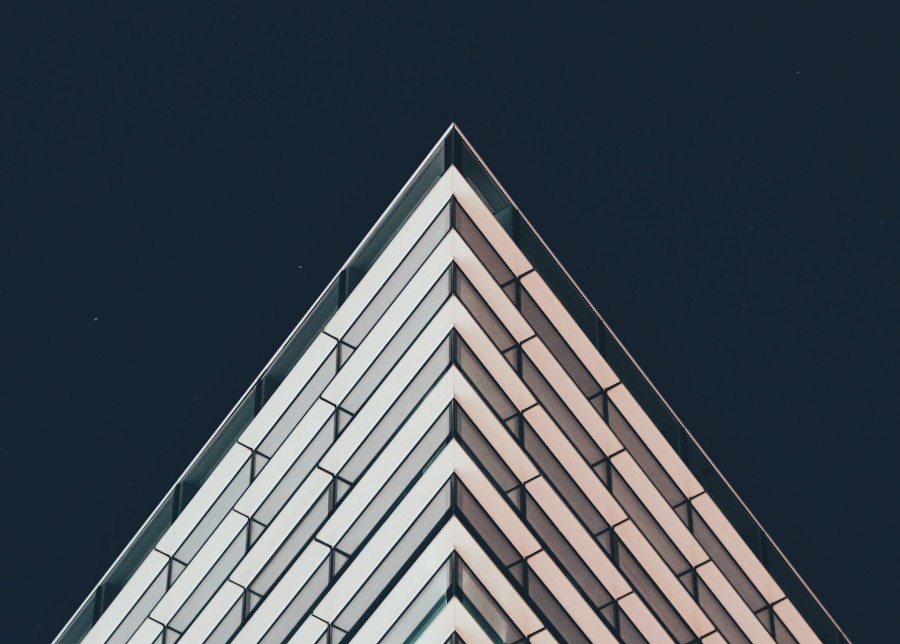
column 441, row 451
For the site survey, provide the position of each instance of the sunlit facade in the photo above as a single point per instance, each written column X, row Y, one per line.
column 451, row 446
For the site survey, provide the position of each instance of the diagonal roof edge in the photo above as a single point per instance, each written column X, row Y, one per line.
column 449, row 150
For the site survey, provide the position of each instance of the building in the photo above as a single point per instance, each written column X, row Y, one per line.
column 451, row 446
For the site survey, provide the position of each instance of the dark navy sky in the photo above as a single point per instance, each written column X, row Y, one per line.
column 722, row 184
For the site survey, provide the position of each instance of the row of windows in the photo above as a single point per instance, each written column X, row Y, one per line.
column 455, row 281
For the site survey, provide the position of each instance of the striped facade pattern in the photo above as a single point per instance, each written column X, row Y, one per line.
column 451, row 459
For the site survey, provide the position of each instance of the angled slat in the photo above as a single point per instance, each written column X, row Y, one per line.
column 686, row 606
column 390, row 257
column 124, row 603
column 488, row 224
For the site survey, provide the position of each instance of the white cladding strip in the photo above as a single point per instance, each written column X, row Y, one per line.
column 732, row 602
column 386, row 537
column 569, row 329
column 146, row 634
column 572, row 396
column 406, row 589
column 200, row 565
column 283, row 593
column 213, row 614
column 653, row 500
column 737, row 547
column 392, row 319
column 206, row 496
column 391, row 257
column 664, row 578
column 394, row 453
column 299, row 375
column 441, row 627
column 279, row 530
column 284, row 458
column 488, row 224
column 310, row 631
column 130, row 595
column 388, row 391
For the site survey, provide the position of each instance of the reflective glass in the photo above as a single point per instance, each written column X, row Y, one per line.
column 397, row 414
column 299, row 607
column 211, row 582
column 652, row 595
column 483, row 313
column 381, row 580
column 428, row 603
column 398, row 344
column 644, row 457
column 557, row 345
column 297, row 473
column 565, row 555
column 141, row 609
column 648, row 525
column 557, row 475
column 392, row 492
column 480, row 602
column 292, row 546
column 215, row 514
column 301, row 404
column 482, row 248
column 482, row 381
column 399, row 279
column 559, row 411
column 558, row 617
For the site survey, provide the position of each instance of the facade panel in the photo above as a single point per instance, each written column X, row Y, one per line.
column 451, row 446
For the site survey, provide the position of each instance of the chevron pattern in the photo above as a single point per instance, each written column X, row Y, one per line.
column 451, row 459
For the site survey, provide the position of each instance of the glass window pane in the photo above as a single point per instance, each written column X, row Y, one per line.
column 398, row 413
column 297, row 473
column 210, row 584
column 477, row 598
column 485, row 252
column 393, row 491
column 428, row 603
column 481, row 312
column 398, row 344
column 292, row 546
column 215, row 514
column 482, row 381
column 400, row 278
column 299, row 607
column 557, row 345
column 297, row 409
column 383, row 577
column 559, row 411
